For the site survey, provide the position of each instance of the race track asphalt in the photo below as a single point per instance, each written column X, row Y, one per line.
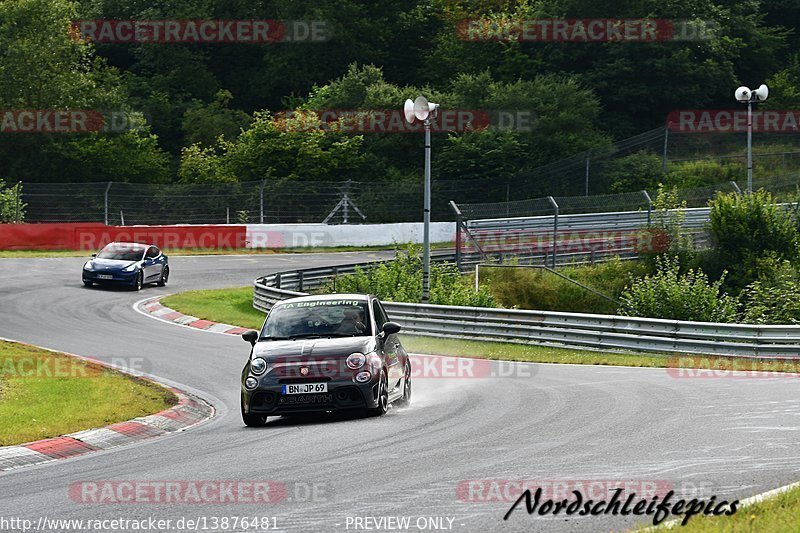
column 729, row 437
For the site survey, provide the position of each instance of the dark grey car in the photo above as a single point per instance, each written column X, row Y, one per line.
column 324, row 353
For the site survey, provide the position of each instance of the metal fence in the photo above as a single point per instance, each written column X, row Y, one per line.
column 544, row 230
column 246, row 202
column 575, row 330
column 594, row 171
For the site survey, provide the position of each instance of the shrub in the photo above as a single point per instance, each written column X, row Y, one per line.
column 11, row 209
column 702, row 173
column 745, row 228
column 670, row 294
column 528, row 288
column 774, row 298
column 634, row 172
column 400, row 280
column 666, row 228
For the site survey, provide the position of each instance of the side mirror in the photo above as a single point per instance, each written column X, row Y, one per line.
column 94, row 255
column 250, row 336
column 390, row 328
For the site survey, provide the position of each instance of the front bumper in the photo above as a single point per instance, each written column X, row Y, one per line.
column 117, row 277
column 342, row 395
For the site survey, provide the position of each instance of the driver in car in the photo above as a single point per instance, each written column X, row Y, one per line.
column 353, row 323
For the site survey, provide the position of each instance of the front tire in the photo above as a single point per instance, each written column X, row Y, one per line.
column 383, row 397
column 88, row 284
column 253, row 420
column 164, row 277
column 139, row 281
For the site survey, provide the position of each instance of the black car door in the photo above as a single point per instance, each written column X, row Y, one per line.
column 391, row 345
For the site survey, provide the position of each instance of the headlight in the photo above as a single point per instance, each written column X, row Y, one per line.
column 251, row 383
column 356, row 360
column 363, row 377
column 88, row 265
column 130, row 268
column 258, row 366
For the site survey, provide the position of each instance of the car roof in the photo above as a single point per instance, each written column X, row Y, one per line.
column 335, row 296
column 134, row 245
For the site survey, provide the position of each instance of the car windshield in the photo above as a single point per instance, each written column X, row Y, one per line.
column 121, row 253
column 317, row 318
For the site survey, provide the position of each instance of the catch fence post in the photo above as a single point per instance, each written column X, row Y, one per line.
column 261, row 200
column 18, row 202
column 459, row 222
column 588, row 155
column 105, row 200
column 555, row 227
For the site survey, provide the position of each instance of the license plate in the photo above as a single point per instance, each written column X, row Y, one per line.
column 305, row 388
column 105, row 276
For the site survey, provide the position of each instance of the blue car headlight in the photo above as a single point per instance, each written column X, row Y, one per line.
column 88, row 265
column 130, row 268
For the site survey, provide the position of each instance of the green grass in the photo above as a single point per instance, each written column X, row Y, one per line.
column 229, row 306
column 45, row 394
column 781, row 513
column 502, row 351
column 212, row 251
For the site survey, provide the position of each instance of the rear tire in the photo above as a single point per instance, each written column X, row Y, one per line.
column 405, row 400
column 253, row 420
column 383, row 397
column 164, row 277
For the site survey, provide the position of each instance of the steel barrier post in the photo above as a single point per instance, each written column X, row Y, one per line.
column 649, row 206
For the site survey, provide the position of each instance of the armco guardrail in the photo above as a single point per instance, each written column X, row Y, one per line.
column 540, row 239
column 576, row 330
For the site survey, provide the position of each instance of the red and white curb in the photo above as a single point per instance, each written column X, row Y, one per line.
column 189, row 411
column 152, row 307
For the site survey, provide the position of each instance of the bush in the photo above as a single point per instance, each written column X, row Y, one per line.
column 745, row 228
column 11, row 209
column 528, row 288
column 774, row 298
column 669, row 213
column 635, row 172
column 703, row 173
column 670, row 294
column 400, row 280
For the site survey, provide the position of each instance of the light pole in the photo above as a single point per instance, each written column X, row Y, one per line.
column 746, row 96
column 421, row 109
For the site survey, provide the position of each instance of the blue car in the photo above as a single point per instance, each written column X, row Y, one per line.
column 127, row 264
